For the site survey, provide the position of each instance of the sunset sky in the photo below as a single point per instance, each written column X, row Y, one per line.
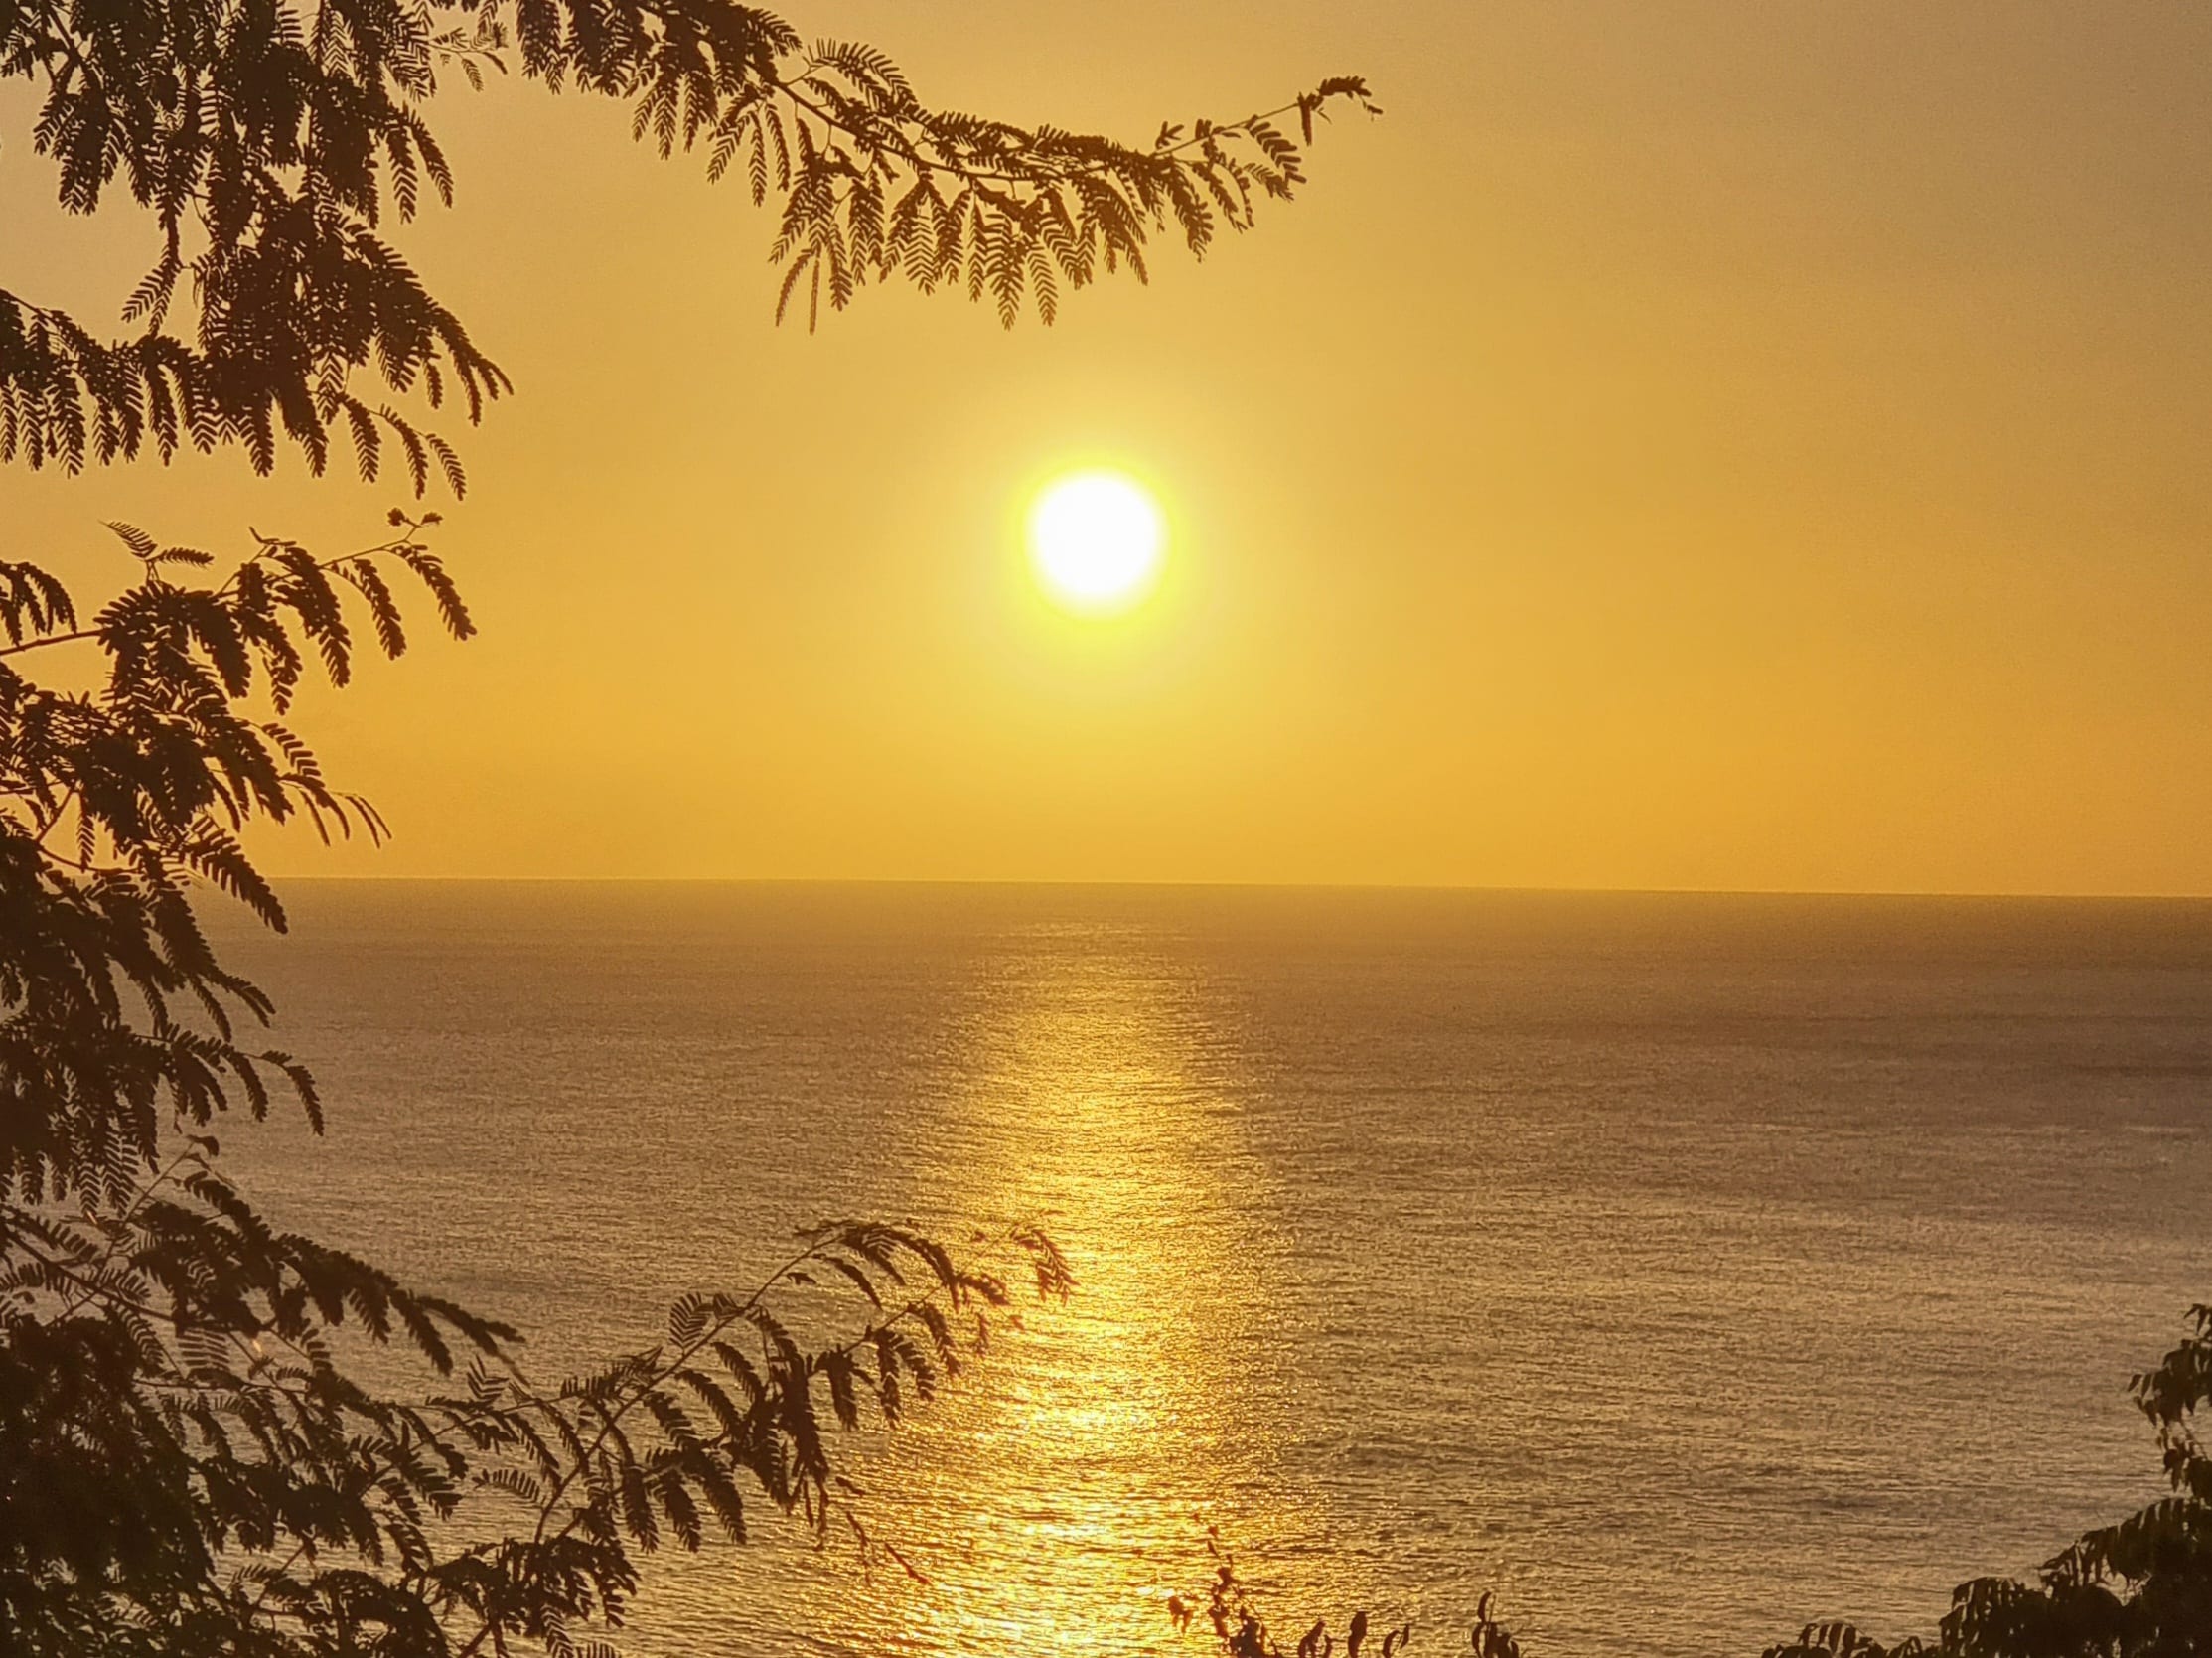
column 1728, row 445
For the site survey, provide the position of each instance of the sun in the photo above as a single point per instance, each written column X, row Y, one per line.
column 1096, row 538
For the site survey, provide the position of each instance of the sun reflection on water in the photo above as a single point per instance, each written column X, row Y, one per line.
column 1055, row 1498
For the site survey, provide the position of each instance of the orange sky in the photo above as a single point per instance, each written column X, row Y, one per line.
column 1723, row 445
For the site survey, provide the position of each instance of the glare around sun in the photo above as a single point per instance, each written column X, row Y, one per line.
column 1096, row 539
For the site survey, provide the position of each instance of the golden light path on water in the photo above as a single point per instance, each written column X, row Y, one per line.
column 1059, row 1496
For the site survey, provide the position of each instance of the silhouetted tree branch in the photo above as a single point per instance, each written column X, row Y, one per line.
column 2140, row 1588
column 189, row 1460
column 274, row 143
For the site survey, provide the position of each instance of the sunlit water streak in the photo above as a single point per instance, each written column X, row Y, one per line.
column 1682, row 1267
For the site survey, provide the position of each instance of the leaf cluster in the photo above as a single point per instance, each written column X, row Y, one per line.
column 193, row 1468
column 1240, row 1632
column 191, row 1459
column 2138, row 1588
column 2133, row 1590
column 274, row 144
column 114, row 802
column 876, row 185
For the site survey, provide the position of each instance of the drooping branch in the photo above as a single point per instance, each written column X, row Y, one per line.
column 236, row 1326
column 158, row 771
column 271, row 142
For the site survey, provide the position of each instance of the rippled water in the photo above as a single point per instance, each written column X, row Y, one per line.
column 1681, row 1266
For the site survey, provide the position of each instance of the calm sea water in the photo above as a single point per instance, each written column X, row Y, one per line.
column 1682, row 1267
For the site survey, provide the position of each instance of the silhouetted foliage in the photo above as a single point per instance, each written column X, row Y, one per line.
column 273, row 144
column 1234, row 1616
column 190, row 1461
column 2142, row 1588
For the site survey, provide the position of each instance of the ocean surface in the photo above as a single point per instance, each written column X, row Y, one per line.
column 1680, row 1268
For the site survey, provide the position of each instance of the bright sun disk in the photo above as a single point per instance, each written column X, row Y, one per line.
column 1096, row 538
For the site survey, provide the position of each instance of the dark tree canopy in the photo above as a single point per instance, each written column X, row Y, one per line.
column 276, row 145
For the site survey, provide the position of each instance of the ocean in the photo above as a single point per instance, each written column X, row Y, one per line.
column 1678, row 1268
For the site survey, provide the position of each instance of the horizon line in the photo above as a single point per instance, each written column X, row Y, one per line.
column 1110, row 884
